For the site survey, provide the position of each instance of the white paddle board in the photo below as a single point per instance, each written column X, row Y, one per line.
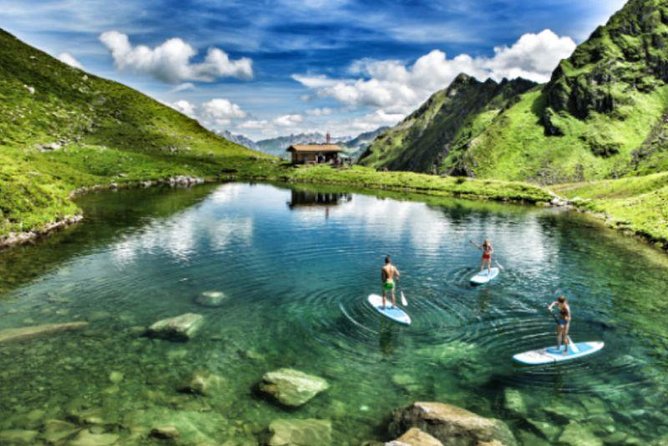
column 485, row 276
column 552, row 355
column 394, row 313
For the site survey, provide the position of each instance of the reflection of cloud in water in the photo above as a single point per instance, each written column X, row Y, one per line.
column 179, row 235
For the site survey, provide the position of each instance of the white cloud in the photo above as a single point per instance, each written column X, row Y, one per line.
column 394, row 87
column 170, row 61
column 70, row 60
column 254, row 124
column 186, row 86
column 184, row 107
column 221, row 111
column 319, row 111
column 288, row 120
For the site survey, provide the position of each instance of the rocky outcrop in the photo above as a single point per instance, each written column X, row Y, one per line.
column 182, row 180
column 291, row 387
column 451, row 425
column 19, row 238
column 180, row 328
column 307, row 432
column 211, row 299
column 25, row 333
column 415, row 437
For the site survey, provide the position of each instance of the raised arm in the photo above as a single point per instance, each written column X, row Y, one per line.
column 549, row 307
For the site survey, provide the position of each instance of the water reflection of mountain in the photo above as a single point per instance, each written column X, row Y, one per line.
column 310, row 199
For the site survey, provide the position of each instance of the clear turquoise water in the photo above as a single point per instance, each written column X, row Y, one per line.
column 297, row 275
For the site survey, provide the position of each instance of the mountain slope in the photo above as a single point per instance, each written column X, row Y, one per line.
column 604, row 114
column 63, row 129
column 442, row 124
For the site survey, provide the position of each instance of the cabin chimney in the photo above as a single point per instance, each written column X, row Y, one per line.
column 328, row 138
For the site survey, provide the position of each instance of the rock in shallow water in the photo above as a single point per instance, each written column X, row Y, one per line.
column 164, row 433
column 415, row 437
column 211, row 299
column 202, row 383
column 291, row 387
column 180, row 328
column 57, row 430
column 24, row 333
column 576, row 434
column 17, row 437
column 451, row 425
column 307, row 432
column 86, row 438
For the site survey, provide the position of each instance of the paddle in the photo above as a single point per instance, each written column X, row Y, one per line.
column 499, row 265
column 404, row 302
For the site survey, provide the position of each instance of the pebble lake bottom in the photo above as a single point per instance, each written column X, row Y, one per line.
column 295, row 268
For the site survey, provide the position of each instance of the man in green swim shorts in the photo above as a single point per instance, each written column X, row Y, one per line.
column 387, row 275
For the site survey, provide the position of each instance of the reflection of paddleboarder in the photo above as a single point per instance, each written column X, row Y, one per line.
column 387, row 275
column 563, row 322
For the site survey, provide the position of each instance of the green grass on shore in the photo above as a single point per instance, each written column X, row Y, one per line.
column 635, row 204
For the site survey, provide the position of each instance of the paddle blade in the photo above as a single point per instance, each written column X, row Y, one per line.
column 499, row 265
column 404, row 302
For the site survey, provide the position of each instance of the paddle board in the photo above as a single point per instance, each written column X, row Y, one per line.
column 394, row 313
column 552, row 355
column 485, row 276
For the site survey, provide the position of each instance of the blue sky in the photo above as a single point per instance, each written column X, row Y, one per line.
column 275, row 67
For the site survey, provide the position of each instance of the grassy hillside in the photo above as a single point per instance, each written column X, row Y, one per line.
column 604, row 114
column 62, row 129
column 442, row 125
column 637, row 204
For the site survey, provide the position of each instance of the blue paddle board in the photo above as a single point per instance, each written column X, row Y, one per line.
column 390, row 312
column 485, row 276
column 552, row 355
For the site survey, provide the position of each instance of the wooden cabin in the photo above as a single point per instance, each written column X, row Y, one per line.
column 314, row 153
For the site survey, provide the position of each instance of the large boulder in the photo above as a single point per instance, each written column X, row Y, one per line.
column 307, row 432
column 452, row 425
column 415, row 437
column 25, row 333
column 179, row 328
column 291, row 387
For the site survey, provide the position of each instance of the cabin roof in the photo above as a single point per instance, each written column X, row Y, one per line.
column 314, row 148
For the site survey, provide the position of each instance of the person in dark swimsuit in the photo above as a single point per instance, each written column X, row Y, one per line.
column 487, row 251
column 563, row 322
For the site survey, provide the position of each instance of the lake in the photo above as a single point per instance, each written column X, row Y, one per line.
column 295, row 267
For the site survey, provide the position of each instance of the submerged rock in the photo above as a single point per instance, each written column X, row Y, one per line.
column 179, row 328
column 211, row 299
column 58, row 430
column 415, row 437
column 24, row 333
column 165, row 433
column 307, row 432
column 451, row 425
column 576, row 434
column 514, row 402
column 549, row 431
column 18, row 437
column 202, row 383
column 87, row 438
column 291, row 387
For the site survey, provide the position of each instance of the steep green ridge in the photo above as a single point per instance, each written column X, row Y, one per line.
column 604, row 114
column 443, row 125
column 63, row 129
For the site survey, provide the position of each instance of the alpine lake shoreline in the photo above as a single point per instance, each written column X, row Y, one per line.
column 359, row 178
column 418, row 424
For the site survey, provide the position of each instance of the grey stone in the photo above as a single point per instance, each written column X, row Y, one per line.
column 165, row 433
column 577, row 434
column 202, row 383
column 57, row 430
column 306, row 432
column 291, row 387
column 18, row 437
column 180, row 328
column 415, row 437
column 451, row 425
column 514, row 402
column 211, row 299
column 25, row 333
